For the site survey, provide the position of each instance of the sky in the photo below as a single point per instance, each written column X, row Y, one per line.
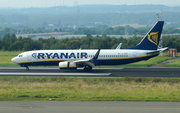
column 50, row 3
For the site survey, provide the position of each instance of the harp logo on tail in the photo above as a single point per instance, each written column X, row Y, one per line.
column 153, row 37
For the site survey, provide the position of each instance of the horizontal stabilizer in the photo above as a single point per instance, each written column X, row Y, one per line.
column 159, row 50
column 162, row 49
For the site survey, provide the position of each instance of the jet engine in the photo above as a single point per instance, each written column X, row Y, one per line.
column 67, row 65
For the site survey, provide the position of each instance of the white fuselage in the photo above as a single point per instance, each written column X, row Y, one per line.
column 106, row 56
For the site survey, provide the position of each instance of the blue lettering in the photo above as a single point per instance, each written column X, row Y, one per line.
column 40, row 55
column 84, row 55
column 34, row 55
column 48, row 55
column 65, row 55
column 55, row 55
column 77, row 55
column 72, row 55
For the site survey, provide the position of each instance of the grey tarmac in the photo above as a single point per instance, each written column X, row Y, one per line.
column 96, row 72
column 88, row 107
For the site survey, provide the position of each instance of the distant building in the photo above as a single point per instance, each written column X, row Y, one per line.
column 51, row 25
column 74, row 26
column 98, row 22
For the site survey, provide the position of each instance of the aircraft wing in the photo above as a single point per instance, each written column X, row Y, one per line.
column 88, row 62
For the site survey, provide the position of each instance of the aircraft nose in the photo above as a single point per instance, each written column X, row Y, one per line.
column 14, row 60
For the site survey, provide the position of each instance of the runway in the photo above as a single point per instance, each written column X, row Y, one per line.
column 96, row 72
column 88, row 107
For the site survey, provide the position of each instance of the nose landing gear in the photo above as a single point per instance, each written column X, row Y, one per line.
column 27, row 68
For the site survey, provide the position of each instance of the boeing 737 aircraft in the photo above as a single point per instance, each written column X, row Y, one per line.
column 72, row 59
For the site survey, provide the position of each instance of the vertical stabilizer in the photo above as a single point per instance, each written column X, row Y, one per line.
column 151, row 40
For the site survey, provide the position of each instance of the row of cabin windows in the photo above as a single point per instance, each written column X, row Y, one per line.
column 109, row 55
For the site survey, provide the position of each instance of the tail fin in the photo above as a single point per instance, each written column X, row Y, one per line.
column 151, row 40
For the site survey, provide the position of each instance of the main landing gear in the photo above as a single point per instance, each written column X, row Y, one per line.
column 27, row 68
column 87, row 68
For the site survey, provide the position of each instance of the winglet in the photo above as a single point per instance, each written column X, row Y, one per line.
column 119, row 46
column 97, row 54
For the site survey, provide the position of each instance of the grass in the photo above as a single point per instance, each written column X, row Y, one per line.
column 10, row 53
column 172, row 64
column 6, row 56
column 6, row 61
column 89, row 89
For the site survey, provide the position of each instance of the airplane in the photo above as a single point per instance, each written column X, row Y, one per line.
column 89, row 58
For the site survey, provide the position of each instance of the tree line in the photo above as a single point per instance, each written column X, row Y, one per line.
column 11, row 43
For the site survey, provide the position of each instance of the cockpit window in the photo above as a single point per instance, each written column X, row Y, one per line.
column 20, row 56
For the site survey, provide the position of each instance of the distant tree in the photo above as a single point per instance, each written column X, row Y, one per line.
column 38, row 30
column 28, row 42
column 55, row 30
column 119, row 30
column 109, row 31
column 36, row 45
column 2, row 20
column 7, row 30
column 44, row 24
column 142, row 21
column 11, row 41
column 59, row 23
column 6, row 41
column 74, row 44
column 102, row 26
column 0, row 45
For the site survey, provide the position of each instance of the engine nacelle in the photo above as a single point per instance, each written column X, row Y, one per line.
column 67, row 65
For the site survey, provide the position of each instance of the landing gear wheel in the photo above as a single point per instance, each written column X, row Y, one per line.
column 27, row 68
column 87, row 68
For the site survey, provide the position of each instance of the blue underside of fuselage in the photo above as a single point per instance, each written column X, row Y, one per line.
column 96, row 62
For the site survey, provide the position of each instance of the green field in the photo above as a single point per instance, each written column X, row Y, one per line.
column 172, row 64
column 6, row 56
column 89, row 89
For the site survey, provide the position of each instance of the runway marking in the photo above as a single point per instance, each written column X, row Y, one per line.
column 56, row 68
column 152, row 108
column 113, row 68
column 47, row 74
